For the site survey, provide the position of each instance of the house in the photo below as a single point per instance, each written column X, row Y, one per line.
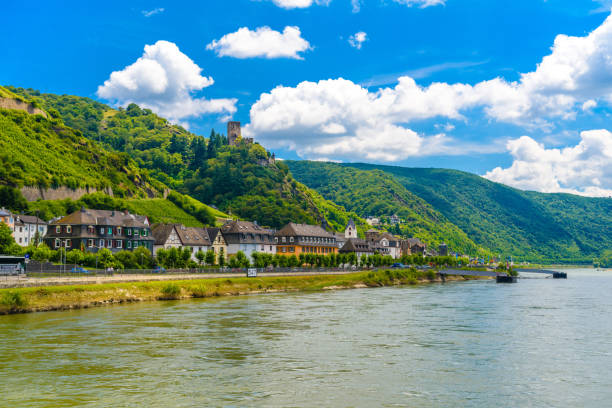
column 178, row 236
column 92, row 230
column 296, row 239
column 412, row 246
column 26, row 228
column 358, row 246
column 247, row 237
column 394, row 219
column 340, row 239
column 218, row 242
column 384, row 243
column 351, row 230
column 7, row 218
column 373, row 221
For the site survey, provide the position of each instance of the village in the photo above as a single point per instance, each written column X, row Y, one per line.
column 110, row 236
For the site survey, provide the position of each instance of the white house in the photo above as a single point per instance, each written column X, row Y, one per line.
column 25, row 228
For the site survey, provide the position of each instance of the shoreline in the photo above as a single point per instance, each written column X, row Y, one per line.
column 70, row 297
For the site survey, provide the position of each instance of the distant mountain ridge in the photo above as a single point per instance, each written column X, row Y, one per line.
column 530, row 225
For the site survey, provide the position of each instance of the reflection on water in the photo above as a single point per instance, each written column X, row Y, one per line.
column 540, row 342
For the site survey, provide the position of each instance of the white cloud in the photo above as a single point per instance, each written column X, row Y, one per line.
column 357, row 39
column 588, row 105
column 576, row 74
column 149, row 13
column 356, row 5
column 421, row 3
column 263, row 42
column 584, row 169
column 163, row 80
column 291, row 4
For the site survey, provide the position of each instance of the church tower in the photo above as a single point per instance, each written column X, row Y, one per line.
column 233, row 133
column 351, row 230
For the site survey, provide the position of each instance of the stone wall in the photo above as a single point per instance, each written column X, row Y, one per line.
column 7, row 103
column 59, row 193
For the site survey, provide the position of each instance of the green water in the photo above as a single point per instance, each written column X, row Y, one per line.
column 538, row 343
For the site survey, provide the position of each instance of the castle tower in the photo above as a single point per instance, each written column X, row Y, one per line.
column 233, row 133
column 351, row 230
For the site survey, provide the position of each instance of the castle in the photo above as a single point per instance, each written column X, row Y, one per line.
column 234, row 134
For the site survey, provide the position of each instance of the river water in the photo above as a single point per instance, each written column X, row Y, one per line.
column 538, row 343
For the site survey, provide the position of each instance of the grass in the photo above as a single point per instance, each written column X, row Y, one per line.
column 22, row 300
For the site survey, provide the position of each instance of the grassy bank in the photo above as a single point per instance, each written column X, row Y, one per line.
column 24, row 300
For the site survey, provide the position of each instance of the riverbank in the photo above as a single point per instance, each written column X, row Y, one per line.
column 39, row 299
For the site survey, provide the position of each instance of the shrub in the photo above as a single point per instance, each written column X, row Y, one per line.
column 12, row 300
column 171, row 291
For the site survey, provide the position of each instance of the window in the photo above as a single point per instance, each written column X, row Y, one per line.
column 129, row 244
column 110, row 230
column 68, row 243
column 20, row 240
column 68, row 229
column 58, row 229
column 90, row 243
column 283, row 249
column 20, row 229
column 135, row 244
column 263, row 248
column 58, row 243
column 109, row 243
column 102, row 230
column 144, row 232
column 270, row 248
column 118, row 230
column 119, row 244
column 290, row 239
column 136, row 232
column 276, row 239
column 101, row 243
column 284, row 239
column 291, row 249
column 129, row 232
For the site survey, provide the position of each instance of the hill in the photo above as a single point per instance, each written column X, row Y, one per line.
column 242, row 180
column 529, row 225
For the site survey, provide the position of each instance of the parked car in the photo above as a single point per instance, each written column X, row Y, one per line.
column 159, row 269
column 79, row 269
column 398, row 265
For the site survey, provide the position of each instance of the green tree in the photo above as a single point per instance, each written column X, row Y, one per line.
column 143, row 257
column 42, row 253
column 7, row 242
column 242, row 259
column 210, row 257
column 221, row 259
column 75, row 257
column 200, row 256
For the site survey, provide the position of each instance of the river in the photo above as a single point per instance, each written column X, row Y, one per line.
column 540, row 343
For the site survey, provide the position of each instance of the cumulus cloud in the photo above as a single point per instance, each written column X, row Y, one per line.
column 291, row 4
column 357, row 39
column 149, row 13
column 421, row 3
column 163, row 79
column 584, row 169
column 576, row 75
column 263, row 42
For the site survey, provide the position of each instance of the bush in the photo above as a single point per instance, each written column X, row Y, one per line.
column 12, row 300
column 171, row 291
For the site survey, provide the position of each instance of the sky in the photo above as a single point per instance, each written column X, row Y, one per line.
column 519, row 92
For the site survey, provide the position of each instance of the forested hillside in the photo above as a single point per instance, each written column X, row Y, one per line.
column 241, row 180
column 374, row 193
column 529, row 225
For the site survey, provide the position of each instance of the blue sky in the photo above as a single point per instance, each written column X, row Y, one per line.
column 276, row 65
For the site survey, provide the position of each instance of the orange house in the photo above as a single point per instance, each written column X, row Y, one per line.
column 296, row 239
